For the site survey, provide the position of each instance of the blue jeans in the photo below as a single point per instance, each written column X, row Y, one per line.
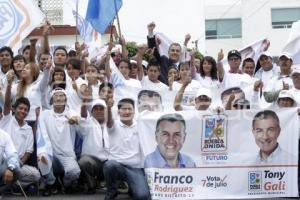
column 135, row 178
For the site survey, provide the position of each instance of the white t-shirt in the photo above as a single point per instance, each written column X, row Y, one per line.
column 73, row 99
column 208, row 82
column 189, row 94
column 95, row 138
column 149, row 85
column 22, row 137
column 236, row 80
column 124, row 88
column 59, row 131
column 266, row 77
column 276, row 83
column 34, row 92
column 124, row 144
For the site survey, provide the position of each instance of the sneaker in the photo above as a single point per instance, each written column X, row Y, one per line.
column 122, row 187
column 16, row 190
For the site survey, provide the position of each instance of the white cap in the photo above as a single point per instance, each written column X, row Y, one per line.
column 133, row 62
column 285, row 94
column 145, row 63
column 205, row 92
column 286, row 55
column 265, row 53
column 56, row 90
column 99, row 102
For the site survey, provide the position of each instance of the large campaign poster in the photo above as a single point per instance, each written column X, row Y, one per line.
column 235, row 154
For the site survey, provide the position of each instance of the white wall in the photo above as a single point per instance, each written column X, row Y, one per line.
column 256, row 23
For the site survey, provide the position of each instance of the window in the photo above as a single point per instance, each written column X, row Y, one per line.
column 284, row 17
column 223, row 28
column 53, row 9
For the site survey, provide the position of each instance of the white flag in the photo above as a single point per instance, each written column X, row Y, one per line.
column 17, row 19
column 292, row 46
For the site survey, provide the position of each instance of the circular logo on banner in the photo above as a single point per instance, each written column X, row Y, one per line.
column 9, row 19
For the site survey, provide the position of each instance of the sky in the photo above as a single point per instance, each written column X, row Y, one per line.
column 174, row 18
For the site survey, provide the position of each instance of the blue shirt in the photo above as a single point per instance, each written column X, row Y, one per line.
column 155, row 159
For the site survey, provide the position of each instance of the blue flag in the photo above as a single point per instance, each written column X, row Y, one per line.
column 100, row 13
column 84, row 27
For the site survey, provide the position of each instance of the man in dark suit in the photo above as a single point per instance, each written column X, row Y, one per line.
column 165, row 62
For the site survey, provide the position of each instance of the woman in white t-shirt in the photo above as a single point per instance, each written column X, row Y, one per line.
column 31, row 87
column 208, row 76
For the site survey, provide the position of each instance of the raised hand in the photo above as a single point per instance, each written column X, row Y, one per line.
column 220, row 55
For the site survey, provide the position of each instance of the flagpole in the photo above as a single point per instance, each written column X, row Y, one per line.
column 118, row 20
column 76, row 34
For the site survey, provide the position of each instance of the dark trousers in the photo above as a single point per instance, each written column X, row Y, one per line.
column 91, row 170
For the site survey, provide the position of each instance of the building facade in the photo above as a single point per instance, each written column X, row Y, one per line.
column 240, row 23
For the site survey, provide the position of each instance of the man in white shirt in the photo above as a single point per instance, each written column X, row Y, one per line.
column 6, row 56
column 59, row 125
column 234, row 77
column 296, row 82
column 151, row 81
column 9, row 164
column 124, row 160
column 20, row 132
column 281, row 81
column 74, row 84
column 119, row 77
column 267, row 70
column 95, row 144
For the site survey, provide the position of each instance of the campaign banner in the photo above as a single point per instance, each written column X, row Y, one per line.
column 235, row 154
column 17, row 19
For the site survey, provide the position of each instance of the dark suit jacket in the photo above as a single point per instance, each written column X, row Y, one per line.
column 164, row 62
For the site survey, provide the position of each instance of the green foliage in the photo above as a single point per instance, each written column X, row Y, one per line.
column 197, row 53
column 131, row 48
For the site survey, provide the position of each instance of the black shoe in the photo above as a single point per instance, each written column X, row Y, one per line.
column 110, row 196
column 47, row 191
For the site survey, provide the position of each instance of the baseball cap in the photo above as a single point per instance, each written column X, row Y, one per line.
column 98, row 102
column 285, row 94
column 234, row 53
column 265, row 53
column 286, row 55
column 56, row 90
column 145, row 63
column 204, row 92
column 241, row 103
column 133, row 62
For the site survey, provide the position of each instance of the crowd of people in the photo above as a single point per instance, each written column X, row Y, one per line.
column 69, row 119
